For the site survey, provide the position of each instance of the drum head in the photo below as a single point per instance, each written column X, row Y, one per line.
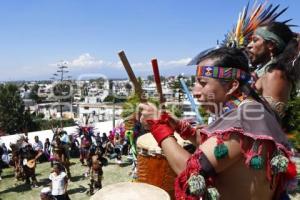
column 31, row 163
column 130, row 191
column 147, row 142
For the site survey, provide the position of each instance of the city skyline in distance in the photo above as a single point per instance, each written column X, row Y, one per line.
column 36, row 35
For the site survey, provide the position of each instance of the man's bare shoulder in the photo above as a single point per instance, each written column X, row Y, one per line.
column 275, row 75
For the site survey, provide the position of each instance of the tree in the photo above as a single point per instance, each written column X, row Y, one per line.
column 13, row 116
column 84, row 89
column 193, row 79
column 26, row 87
column 150, row 78
column 29, row 122
column 62, row 89
column 190, row 82
column 100, row 82
column 291, row 120
column 176, row 87
column 162, row 79
column 34, row 93
column 128, row 86
column 112, row 98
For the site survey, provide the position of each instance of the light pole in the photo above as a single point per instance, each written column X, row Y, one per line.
column 62, row 70
column 71, row 99
column 111, row 87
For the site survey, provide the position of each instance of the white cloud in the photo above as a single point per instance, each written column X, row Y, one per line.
column 180, row 62
column 85, row 60
column 138, row 64
column 86, row 63
column 161, row 63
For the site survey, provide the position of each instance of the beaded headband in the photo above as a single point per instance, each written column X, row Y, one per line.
column 225, row 73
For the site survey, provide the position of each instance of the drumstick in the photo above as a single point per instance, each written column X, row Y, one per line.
column 162, row 100
column 137, row 87
column 157, row 80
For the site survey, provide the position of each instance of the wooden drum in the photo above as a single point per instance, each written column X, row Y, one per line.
column 152, row 166
column 130, row 191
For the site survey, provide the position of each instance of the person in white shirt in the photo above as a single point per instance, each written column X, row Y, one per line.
column 37, row 145
column 65, row 140
column 59, row 183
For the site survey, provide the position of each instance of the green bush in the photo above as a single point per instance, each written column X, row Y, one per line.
column 291, row 121
column 42, row 124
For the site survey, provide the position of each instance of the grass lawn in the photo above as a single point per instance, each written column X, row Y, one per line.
column 10, row 189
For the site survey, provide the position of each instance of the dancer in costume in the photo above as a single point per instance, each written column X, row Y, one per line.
column 28, row 157
column 60, row 155
column 95, row 163
column 15, row 160
column 275, row 54
column 242, row 154
column 272, row 49
column 85, row 144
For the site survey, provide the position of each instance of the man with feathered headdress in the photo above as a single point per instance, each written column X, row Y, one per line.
column 274, row 53
column 244, row 153
column 272, row 49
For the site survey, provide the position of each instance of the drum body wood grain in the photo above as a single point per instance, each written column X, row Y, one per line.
column 152, row 166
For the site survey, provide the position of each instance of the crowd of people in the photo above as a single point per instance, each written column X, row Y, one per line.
column 93, row 150
column 243, row 153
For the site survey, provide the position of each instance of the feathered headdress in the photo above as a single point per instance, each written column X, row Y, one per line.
column 248, row 21
column 259, row 15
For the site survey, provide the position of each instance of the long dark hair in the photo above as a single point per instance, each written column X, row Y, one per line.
column 236, row 58
column 286, row 56
column 288, row 61
column 282, row 30
column 228, row 57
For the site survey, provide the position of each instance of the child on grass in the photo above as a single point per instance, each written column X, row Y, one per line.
column 59, row 183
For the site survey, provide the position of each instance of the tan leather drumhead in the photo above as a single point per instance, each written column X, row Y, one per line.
column 130, row 191
column 31, row 163
column 148, row 142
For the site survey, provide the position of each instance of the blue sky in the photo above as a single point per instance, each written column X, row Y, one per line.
column 37, row 34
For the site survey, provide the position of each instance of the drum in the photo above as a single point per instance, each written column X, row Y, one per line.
column 152, row 166
column 130, row 191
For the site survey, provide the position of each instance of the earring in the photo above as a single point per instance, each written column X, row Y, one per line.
column 272, row 56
